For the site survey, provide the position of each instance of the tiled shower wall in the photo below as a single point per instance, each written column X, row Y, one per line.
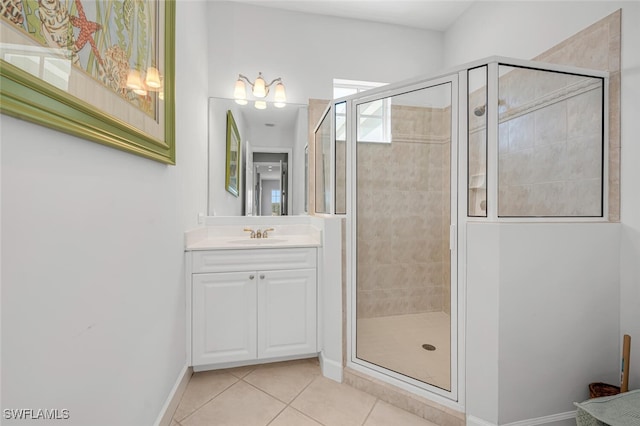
column 550, row 157
column 550, row 144
column 547, row 161
column 403, row 216
column 598, row 47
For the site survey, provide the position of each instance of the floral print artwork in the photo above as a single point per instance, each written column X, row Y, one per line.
column 104, row 38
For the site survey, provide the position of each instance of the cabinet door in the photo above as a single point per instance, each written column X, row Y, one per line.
column 286, row 312
column 224, row 317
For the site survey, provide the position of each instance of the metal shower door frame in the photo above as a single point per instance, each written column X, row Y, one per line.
column 454, row 397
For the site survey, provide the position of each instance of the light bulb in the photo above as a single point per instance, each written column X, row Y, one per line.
column 259, row 87
column 260, row 104
column 281, row 96
column 240, row 91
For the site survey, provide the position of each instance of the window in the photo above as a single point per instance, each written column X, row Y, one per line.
column 275, row 202
column 275, row 196
column 374, row 120
column 342, row 88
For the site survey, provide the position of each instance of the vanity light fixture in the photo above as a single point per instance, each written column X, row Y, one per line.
column 259, row 89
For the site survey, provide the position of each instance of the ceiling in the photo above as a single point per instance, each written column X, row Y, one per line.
column 436, row 15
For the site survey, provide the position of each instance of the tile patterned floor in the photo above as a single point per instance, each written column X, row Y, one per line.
column 395, row 342
column 292, row 393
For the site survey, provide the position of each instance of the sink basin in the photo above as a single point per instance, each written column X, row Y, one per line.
column 258, row 241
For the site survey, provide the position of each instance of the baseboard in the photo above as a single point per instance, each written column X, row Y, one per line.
column 475, row 421
column 330, row 369
column 225, row 365
column 170, row 405
column 544, row 420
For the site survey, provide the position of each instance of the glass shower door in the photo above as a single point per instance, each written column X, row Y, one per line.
column 405, row 208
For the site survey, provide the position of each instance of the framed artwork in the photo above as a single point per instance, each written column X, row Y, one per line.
column 233, row 165
column 102, row 70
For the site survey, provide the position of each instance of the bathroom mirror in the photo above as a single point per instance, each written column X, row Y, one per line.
column 272, row 159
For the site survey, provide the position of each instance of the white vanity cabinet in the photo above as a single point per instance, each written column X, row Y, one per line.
column 253, row 304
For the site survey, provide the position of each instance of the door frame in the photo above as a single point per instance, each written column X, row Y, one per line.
column 277, row 150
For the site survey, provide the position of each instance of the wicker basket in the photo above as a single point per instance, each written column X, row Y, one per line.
column 596, row 390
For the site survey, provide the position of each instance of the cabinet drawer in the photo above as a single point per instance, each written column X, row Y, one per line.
column 251, row 260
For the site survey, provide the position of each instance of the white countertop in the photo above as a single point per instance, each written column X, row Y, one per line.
column 235, row 238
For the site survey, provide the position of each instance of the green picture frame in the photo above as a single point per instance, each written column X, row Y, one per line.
column 233, row 162
column 29, row 97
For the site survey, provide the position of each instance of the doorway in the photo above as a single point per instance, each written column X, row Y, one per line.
column 268, row 180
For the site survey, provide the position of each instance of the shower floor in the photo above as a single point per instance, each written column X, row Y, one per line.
column 395, row 342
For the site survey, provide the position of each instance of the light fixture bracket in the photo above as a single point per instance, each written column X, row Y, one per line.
column 260, row 90
column 252, row 83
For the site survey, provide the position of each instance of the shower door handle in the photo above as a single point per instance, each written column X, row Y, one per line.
column 452, row 237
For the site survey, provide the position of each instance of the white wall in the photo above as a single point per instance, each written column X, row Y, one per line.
column 520, row 29
column 482, row 321
column 526, row 29
column 559, row 301
column 541, row 317
column 630, row 177
column 309, row 51
column 93, row 301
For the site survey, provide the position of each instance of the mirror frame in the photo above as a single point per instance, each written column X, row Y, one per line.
column 233, row 162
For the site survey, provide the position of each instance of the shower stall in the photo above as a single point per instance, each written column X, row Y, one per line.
column 411, row 163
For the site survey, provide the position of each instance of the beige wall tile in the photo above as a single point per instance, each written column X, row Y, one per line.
column 397, row 184
column 598, row 46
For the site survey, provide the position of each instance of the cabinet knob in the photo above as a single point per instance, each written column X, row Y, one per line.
column 262, row 277
column 251, row 277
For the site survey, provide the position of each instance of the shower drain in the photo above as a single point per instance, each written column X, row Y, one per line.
column 428, row 347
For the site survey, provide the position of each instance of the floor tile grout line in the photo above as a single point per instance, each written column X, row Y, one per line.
column 273, row 396
column 370, row 411
column 237, row 379
column 313, row 379
column 209, row 400
column 300, row 393
column 287, row 404
column 305, row 388
column 277, row 415
column 308, row 416
column 265, row 392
